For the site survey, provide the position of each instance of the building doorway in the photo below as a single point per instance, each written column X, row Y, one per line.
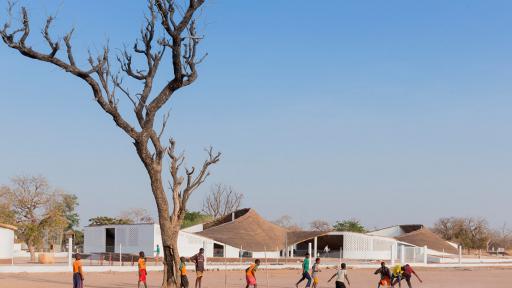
column 110, row 240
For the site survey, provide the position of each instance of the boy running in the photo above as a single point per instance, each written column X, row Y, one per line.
column 250, row 274
column 142, row 270
column 407, row 274
column 341, row 275
column 305, row 272
column 315, row 269
column 385, row 275
column 78, row 274
column 183, row 273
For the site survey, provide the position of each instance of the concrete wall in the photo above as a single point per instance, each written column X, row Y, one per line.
column 189, row 244
column 6, row 243
column 132, row 238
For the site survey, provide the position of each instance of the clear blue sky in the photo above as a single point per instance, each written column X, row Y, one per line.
column 386, row 111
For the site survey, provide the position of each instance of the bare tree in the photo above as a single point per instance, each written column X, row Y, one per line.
column 177, row 25
column 320, row 225
column 221, row 201
column 286, row 221
column 137, row 215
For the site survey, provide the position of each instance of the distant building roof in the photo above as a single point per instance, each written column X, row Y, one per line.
column 425, row 237
column 7, row 226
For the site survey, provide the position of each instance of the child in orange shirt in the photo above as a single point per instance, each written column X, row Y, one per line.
column 250, row 274
column 78, row 275
column 142, row 270
column 183, row 273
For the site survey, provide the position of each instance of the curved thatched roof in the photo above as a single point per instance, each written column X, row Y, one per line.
column 249, row 230
column 425, row 237
column 252, row 232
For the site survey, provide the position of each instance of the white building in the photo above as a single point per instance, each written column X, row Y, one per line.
column 6, row 243
column 133, row 238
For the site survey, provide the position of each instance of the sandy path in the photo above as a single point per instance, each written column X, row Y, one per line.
column 433, row 278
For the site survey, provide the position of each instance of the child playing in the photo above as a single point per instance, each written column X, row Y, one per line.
column 396, row 276
column 142, row 270
column 385, row 275
column 305, row 272
column 407, row 274
column 183, row 273
column 315, row 269
column 78, row 275
column 341, row 275
column 250, row 274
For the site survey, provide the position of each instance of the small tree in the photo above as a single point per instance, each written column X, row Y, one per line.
column 320, row 225
column 351, row 225
column 194, row 217
column 137, row 215
column 221, row 201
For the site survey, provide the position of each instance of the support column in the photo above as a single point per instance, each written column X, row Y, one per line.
column 315, row 248
column 402, row 254
column 393, row 255
column 120, row 254
column 460, row 254
column 291, row 250
column 70, row 250
column 309, row 251
column 204, row 247
column 425, row 255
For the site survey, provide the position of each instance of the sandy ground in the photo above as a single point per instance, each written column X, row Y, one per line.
column 433, row 278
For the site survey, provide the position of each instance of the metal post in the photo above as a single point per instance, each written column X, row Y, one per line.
column 120, row 254
column 266, row 264
column 70, row 250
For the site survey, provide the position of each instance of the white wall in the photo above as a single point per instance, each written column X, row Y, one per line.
column 232, row 252
column 394, row 231
column 6, row 243
column 189, row 244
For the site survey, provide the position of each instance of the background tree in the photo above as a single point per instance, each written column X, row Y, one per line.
column 169, row 31
column 137, row 215
column 37, row 210
column 500, row 238
column 351, row 225
column 320, row 225
column 471, row 233
column 286, row 221
column 106, row 220
column 195, row 217
column 221, row 201
column 7, row 215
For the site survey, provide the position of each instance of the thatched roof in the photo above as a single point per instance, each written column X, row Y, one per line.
column 295, row 237
column 7, row 226
column 249, row 231
column 425, row 237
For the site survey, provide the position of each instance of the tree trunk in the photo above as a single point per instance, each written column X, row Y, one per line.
column 32, row 251
column 171, row 262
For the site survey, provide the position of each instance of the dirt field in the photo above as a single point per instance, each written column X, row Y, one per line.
column 433, row 278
